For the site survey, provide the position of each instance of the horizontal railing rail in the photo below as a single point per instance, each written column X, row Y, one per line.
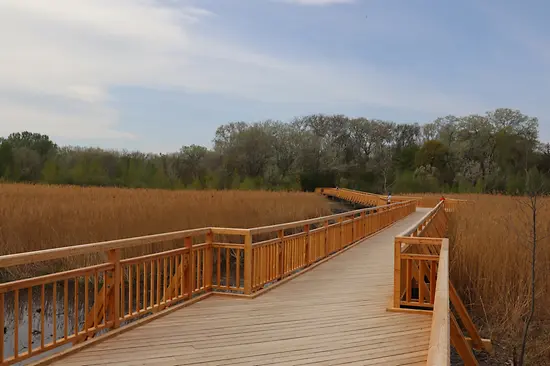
column 45, row 312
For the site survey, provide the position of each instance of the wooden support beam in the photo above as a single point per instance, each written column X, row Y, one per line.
column 464, row 318
column 461, row 345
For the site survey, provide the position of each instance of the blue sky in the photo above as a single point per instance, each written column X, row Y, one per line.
column 155, row 75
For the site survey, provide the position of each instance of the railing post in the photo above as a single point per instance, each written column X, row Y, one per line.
column 353, row 228
column 208, row 265
column 397, row 274
column 363, row 225
column 189, row 269
column 306, row 230
column 113, row 309
column 281, row 269
column 341, row 227
column 248, row 260
column 326, row 238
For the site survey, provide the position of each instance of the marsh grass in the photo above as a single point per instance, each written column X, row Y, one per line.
column 35, row 217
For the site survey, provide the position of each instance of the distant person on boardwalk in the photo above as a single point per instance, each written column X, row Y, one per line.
column 389, row 198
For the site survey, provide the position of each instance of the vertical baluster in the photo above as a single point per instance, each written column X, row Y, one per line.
column 104, row 288
column 169, row 284
column 16, row 323
column 227, row 267
column 152, row 301
column 307, row 244
column 219, row 266
column 238, row 268
column 145, row 286
column 272, row 260
column 408, row 268
column 182, row 277
column 254, row 267
column 54, row 312
column 261, row 266
column 267, row 263
column 96, row 298
column 253, row 270
column 122, row 292
column 421, row 282
column 138, row 280
column 42, row 312
column 130, row 285
column 2, row 327
column 29, row 320
column 204, row 269
column 158, row 282
column 165, row 280
column 86, row 302
column 66, row 309
column 197, row 275
column 76, row 306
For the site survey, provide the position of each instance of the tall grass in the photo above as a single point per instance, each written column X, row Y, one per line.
column 34, row 217
column 491, row 266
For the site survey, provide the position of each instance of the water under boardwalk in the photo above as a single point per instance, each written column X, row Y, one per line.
column 333, row 314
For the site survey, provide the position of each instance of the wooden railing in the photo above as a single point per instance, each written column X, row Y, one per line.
column 421, row 283
column 67, row 307
column 363, row 198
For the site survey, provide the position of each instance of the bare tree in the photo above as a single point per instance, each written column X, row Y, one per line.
column 535, row 189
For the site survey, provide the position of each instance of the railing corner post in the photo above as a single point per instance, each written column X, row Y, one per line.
column 248, row 260
column 114, row 303
column 209, row 266
column 189, row 271
column 397, row 274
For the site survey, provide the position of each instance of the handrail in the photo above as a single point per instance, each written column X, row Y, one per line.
column 270, row 228
column 16, row 259
column 419, row 223
column 439, row 350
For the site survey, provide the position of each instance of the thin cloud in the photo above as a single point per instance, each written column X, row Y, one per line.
column 318, row 2
column 75, row 52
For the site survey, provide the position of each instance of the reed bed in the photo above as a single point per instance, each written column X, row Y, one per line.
column 35, row 217
column 491, row 265
column 491, row 243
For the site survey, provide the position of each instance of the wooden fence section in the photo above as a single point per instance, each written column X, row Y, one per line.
column 421, row 282
column 82, row 303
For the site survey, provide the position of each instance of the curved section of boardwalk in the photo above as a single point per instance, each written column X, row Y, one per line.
column 333, row 314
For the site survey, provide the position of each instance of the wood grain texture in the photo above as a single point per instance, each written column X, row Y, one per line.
column 334, row 314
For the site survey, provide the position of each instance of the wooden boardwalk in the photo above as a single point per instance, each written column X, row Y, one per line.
column 333, row 314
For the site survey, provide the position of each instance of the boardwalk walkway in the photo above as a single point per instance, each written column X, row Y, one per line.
column 334, row 314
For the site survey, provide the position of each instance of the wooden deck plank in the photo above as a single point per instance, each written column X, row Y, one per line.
column 334, row 314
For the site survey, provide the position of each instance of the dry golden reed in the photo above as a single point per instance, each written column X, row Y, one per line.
column 491, row 265
column 34, row 217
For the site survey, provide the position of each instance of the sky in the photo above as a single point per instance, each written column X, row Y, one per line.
column 153, row 75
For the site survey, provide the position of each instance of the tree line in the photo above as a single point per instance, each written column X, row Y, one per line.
column 493, row 152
